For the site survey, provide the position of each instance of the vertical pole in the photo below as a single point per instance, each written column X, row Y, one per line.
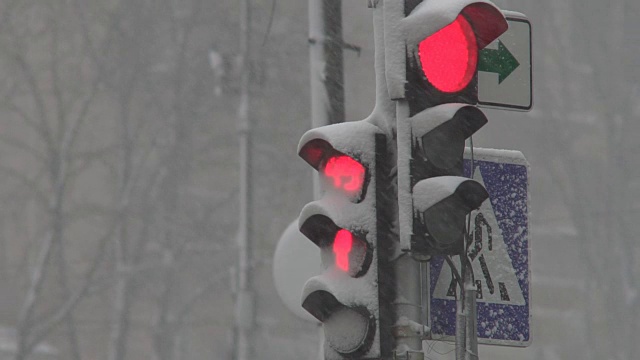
column 321, row 343
column 333, row 49
column 245, row 300
column 406, row 319
column 326, row 62
column 466, row 316
column 461, row 316
column 326, row 66
column 426, row 292
column 471, row 312
column 408, row 310
column 326, row 71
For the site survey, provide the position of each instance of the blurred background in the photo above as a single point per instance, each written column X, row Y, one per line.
column 119, row 166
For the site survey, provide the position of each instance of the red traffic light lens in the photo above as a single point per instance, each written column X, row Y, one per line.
column 348, row 253
column 342, row 245
column 345, row 174
column 450, row 56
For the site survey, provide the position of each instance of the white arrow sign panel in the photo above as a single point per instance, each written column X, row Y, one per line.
column 505, row 71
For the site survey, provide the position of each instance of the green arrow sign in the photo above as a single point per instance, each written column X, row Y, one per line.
column 512, row 64
column 499, row 61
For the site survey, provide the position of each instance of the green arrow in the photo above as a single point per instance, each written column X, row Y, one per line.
column 500, row 61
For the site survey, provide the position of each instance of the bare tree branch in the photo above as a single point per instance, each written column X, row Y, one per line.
column 45, row 326
column 37, row 96
column 26, row 181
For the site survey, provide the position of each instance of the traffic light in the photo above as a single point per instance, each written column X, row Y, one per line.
column 434, row 81
column 353, row 294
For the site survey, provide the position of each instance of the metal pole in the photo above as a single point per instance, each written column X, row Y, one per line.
column 408, row 310
column 326, row 62
column 326, row 66
column 471, row 312
column 406, row 326
column 461, row 316
column 466, row 316
column 426, row 292
column 244, row 311
column 326, row 71
column 321, row 343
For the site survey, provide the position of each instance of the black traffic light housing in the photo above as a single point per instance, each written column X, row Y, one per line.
column 353, row 295
column 437, row 43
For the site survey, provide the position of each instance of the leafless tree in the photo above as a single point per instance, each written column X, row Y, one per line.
column 50, row 93
column 591, row 125
column 154, row 70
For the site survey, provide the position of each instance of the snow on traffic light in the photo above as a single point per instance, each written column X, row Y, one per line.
column 434, row 83
column 351, row 293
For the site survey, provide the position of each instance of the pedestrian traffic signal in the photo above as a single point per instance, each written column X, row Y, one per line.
column 441, row 205
column 344, row 174
column 441, row 197
column 352, row 295
column 435, row 115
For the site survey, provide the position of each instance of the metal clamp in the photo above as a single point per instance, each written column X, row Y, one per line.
column 406, row 331
column 408, row 355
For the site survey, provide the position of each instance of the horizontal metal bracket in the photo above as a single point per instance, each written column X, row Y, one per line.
column 355, row 48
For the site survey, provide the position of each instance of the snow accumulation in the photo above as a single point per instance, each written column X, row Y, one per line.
column 430, row 16
column 494, row 155
column 429, row 192
column 425, row 121
column 346, row 138
column 394, row 60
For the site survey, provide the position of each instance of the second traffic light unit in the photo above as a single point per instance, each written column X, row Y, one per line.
column 352, row 295
column 437, row 43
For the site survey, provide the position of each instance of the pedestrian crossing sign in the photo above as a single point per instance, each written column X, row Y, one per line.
column 499, row 253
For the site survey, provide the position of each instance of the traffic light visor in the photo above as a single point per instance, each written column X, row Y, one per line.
column 486, row 20
column 443, row 203
column 338, row 171
column 445, row 221
column 349, row 330
column 443, row 130
column 340, row 248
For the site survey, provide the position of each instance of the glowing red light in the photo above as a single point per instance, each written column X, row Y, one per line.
column 450, row 56
column 342, row 247
column 346, row 173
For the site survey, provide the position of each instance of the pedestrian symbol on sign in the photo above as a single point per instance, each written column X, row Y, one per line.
column 499, row 255
column 495, row 275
